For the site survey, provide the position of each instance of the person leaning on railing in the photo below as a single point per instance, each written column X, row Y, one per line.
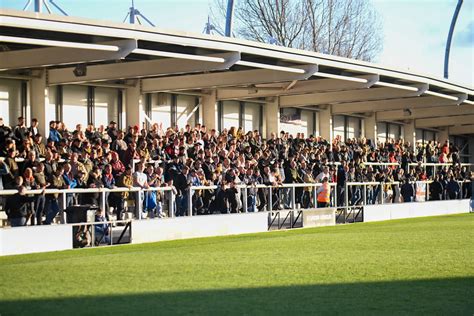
column 126, row 181
column 18, row 207
column 436, row 188
column 40, row 178
column 407, row 191
column 52, row 204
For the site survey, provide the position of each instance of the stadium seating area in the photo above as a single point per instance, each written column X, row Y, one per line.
column 91, row 157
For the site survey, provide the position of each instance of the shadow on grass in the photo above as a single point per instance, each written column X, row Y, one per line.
column 438, row 296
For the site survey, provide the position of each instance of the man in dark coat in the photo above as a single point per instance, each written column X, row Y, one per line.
column 407, row 191
column 18, row 207
column 436, row 189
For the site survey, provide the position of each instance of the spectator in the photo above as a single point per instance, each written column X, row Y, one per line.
column 126, row 180
column 98, row 157
column 42, row 183
column 407, row 191
column 453, row 189
column 102, row 231
column 54, row 135
column 18, row 207
column 436, row 189
column 324, row 194
column 21, row 132
column 33, row 129
column 52, row 204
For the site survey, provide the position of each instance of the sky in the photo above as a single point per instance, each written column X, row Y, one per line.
column 414, row 31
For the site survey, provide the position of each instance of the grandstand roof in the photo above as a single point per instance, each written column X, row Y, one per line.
column 124, row 55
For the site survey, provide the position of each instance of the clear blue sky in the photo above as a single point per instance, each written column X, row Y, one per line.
column 415, row 31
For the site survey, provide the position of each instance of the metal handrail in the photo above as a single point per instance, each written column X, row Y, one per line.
column 289, row 195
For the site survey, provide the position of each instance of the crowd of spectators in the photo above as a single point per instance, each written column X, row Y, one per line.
column 107, row 157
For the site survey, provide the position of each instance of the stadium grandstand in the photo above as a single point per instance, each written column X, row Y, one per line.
column 141, row 123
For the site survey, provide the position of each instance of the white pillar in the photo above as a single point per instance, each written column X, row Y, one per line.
column 410, row 133
column 325, row 124
column 134, row 107
column 272, row 117
column 39, row 102
column 370, row 128
column 209, row 110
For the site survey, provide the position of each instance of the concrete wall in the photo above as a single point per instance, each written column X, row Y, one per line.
column 373, row 213
column 198, row 226
column 31, row 239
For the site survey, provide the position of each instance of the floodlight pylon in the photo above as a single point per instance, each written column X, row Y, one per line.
column 38, row 6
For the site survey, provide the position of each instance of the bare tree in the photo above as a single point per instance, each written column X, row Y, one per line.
column 347, row 28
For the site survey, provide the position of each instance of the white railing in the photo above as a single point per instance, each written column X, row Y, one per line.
column 285, row 191
column 436, row 166
column 290, row 196
column 377, row 192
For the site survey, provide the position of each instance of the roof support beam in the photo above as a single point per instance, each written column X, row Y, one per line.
column 140, row 69
column 461, row 129
column 231, row 78
column 415, row 113
column 349, row 96
column 141, row 33
column 309, row 86
column 394, row 104
column 445, row 121
column 42, row 57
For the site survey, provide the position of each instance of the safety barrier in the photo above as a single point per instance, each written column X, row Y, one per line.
column 292, row 215
column 354, row 196
column 292, row 196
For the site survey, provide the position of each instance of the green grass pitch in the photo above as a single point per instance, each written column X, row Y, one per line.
column 416, row 266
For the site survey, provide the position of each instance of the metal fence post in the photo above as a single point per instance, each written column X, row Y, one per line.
column 293, row 197
column 346, row 201
column 139, row 207
column 315, row 196
column 63, row 208
column 346, row 194
column 92, row 235
column 364, row 194
column 270, row 202
column 171, row 207
column 427, row 193
column 190, row 201
column 244, row 202
column 103, row 204
column 381, row 193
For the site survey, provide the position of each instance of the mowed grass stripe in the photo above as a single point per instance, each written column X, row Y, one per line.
column 422, row 254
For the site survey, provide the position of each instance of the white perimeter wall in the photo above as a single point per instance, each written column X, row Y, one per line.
column 384, row 212
column 198, row 226
column 30, row 239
